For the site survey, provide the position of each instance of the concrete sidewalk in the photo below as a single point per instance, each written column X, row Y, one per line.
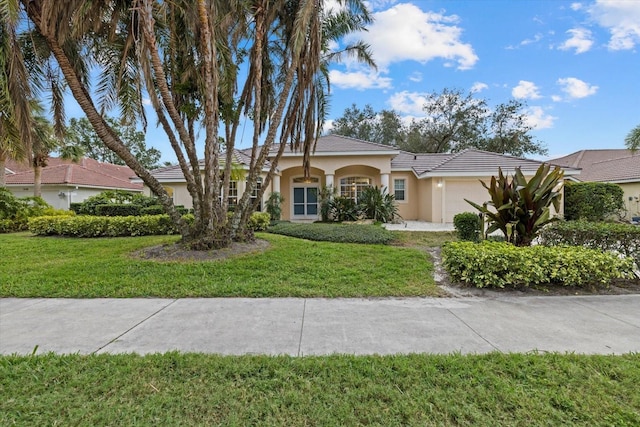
column 298, row 327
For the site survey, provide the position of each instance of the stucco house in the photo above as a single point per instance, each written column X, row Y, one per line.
column 65, row 182
column 427, row 187
column 616, row 166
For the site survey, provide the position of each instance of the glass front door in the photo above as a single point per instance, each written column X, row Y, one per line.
column 305, row 202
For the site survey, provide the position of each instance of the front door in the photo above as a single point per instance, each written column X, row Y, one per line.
column 305, row 202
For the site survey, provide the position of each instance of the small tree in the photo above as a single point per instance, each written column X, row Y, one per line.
column 274, row 206
column 521, row 207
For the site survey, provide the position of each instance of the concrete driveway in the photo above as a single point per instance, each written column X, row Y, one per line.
column 299, row 327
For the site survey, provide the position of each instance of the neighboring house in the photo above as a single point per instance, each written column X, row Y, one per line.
column 65, row 182
column 619, row 166
column 427, row 187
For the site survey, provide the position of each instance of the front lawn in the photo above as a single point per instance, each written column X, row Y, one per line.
column 103, row 267
column 426, row 390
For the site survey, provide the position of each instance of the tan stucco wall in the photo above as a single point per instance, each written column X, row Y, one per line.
column 407, row 209
column 330, row 164
column 631, row 190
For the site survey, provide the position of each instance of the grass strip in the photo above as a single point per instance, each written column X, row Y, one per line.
column 103, row 267
column 426, row 390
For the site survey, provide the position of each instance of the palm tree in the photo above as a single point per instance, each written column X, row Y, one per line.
column 15, row 109
column 186, row 56
column 632, row 140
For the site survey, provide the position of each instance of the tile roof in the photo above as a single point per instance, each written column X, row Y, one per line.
column 343, row 145
column 608, row 165
column 174, row 173
column 87, row 172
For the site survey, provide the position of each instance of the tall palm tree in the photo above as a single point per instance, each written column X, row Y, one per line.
column 15, row 109
column 186, row 57
column 632, row 140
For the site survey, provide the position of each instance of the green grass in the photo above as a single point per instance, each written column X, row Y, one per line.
column 426, row 390
column 423, row 238
column 92, row 268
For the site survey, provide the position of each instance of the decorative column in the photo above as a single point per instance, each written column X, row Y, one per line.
column 384, row 181
column 276, row 183
column 329, row 180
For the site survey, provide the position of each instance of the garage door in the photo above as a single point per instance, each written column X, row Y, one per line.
column 457, row 191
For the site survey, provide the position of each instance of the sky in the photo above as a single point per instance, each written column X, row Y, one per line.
column 575, row 64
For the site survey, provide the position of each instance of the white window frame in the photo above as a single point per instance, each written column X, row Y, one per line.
column 404, row 189
column 355, row 187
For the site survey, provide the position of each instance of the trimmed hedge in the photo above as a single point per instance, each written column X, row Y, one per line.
column 101, row 226
column 340, row 233
column 152, row 210
column 622, row 238
column 592, row 201
column 468, row 226
column 119, row 226
column 494, row 264
column 118, row 209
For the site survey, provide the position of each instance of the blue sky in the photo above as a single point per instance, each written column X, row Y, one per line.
column 576, row 65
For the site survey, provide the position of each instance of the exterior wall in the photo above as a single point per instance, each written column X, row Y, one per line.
column 408, row 209
column 425, row 199
column 330, row 164
column 631, row 191
column 51, row 194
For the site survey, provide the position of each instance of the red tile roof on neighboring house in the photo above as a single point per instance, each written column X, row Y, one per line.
column 610, row 165
column 87, row 173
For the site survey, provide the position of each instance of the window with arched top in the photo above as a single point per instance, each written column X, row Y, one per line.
column 351, row 187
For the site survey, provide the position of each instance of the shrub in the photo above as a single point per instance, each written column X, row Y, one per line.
column 101, row 226
column 274, row 206
column 259, row 221
column 113, row 197
column 521, row 207
column 593, row 201
column 343, row 209
column 468, row 226
column 15, row 212
column 375, row 203
column 340, row 233
column 494, row 264
column 152, row 210
column 114, row 209
column 622, row 238
column 76, row 207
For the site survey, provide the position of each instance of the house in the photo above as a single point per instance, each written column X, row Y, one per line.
column 427, row 187
column 65, row 182
column 616, row 166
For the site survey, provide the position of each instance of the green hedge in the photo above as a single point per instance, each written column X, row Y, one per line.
column 152, row 210
column 622, row 238
column 340, row 233
column 119, row 226
column 592, row 201
column 118, row 209
column 495, row 264
column 101, row 226
column 468, row 226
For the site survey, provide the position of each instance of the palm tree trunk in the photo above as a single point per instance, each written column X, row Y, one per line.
column 37, row 181
column 3, row 165
column 106, row 134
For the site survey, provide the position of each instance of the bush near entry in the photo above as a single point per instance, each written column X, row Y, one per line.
column 468, row 226
column 496, row 264
column 15, row 212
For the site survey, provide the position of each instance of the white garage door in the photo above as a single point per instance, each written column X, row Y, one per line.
column 457, row 191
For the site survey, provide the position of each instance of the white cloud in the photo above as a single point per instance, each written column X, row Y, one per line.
column 536, row 38
column 359, row 80
column 556, row 98
column 576, row 6
column 404, row 32
column 408, row 102
column 576, row 88
column 416, row 77
column 328, row 125
column 538, row 119
column 525, row 90
column 479, row 87
column 580, row 40
column 621, row 18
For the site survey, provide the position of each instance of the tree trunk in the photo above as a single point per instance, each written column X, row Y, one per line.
column 37, row 181
column 106, row 134
column 3, row 165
